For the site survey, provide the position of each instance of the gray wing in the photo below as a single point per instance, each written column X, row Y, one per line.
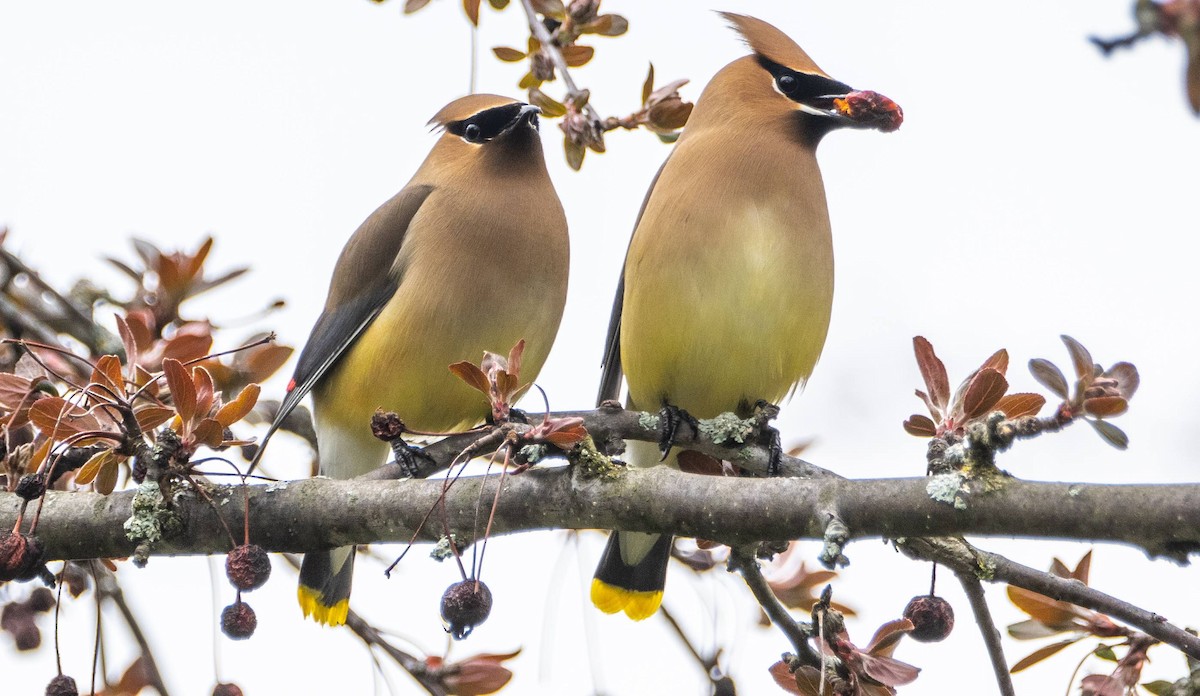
column 363, row 281
column 611, row 372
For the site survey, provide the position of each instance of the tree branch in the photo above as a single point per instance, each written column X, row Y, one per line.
column 987, row 628
column 961, row 557
column 322, row 513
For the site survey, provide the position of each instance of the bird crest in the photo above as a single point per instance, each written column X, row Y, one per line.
column 772, row 44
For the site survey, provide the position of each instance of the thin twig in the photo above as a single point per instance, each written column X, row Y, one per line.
column 796, row 634
column 560, row 64
column 987, row 628
column 370, row 635
column 107, row 587
column 962, row 557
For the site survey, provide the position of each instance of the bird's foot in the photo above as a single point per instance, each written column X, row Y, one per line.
column 409, row 457
column 764, row 413
column 672, row 416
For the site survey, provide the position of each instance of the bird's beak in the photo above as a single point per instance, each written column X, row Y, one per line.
column 858, row 109
column 529, row 114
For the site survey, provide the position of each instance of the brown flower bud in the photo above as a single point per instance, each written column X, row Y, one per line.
column 465, row 605
column 932, row 618
column 386, row 425
column 248, row 567
column 62, row 685
column 227, row 690
column 238, row 620
column 20, row 556
column 541, row 66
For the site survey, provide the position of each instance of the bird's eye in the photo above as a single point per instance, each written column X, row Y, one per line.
column 787, row 84
column 471, row 133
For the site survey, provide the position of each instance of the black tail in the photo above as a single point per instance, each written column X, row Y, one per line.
column 632, row 574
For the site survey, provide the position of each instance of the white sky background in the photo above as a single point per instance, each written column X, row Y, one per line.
column 1034, row 189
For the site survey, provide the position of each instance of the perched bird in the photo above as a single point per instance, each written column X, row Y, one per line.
column 728, row 281
column 470, row 256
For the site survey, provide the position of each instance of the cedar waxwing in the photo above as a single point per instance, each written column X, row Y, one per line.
column 470, row 256
column 728, row 281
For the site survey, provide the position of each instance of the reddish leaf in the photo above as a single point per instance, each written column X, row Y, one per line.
column 150, row 417
column 887, row 637
column 648, row 85
column 934, row 374
column 240, row 407
column 106, row 478
column 13, row 390
column 472, row 375
column 1049, row 376
column 514, row 358
column 130, row 343
column 1050, row 612
column 108, row 377
column 983, row 392
column 471, row 7
column 87, row 473
column 608, row 25
column 1083, row 568
column 183, row 390
column 209, row 432
column 998, row 362
column 888, row 671
column 1040, row 654
column 1111, row 433
column 576, row 55
column 1127, row 378
column 205, row 390
column 59, row 418
column 263, row 361
column 550, row 108
column 789, row 682
column 549, row 8
column 1020, row 405
column 1105, row 406
column 1031, row 630
column 1085, row 367
column 508, row 55
column 186, row 347
column 920, row 426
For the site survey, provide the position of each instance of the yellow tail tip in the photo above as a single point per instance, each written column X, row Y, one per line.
column 311, row 605
column 611, row 599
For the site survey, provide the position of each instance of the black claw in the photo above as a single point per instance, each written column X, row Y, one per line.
column 409, row 457
column 774, row 451
column 765, row 412
column 672, row 416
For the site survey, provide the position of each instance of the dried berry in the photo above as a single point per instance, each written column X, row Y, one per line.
column 227, row 690
column 238, row 620
column 62, row 685
column 932, row 618
column 31, row 486
column 20, row 556
column 248, row 567
column 465, row 605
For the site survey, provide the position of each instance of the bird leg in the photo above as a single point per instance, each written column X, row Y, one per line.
column 672, row 416
column 409, row 457
column 764, row 413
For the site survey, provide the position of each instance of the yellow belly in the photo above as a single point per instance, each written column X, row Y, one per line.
column 737, row 313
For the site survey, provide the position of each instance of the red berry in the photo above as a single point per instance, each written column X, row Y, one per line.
column 465, row 605
column 238, row 621
column 932, row 618
column 248, row 567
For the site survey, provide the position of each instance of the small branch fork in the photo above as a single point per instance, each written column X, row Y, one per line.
column 574, row 94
